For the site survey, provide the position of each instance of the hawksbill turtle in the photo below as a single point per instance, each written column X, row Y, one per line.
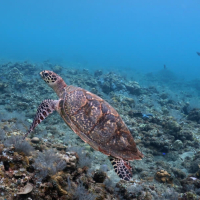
column 93, row 119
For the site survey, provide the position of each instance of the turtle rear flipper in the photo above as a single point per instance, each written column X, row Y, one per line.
column 122, row 168
column 46, row 108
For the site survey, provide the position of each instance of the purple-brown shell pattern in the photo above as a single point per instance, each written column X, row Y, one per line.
column 98, row 124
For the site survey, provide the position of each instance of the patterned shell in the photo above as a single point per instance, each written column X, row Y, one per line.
column 98, row 124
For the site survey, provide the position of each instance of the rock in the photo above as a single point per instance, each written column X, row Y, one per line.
column 194, row 115
column 35, row 140
column 106, row 87
column 22, row 105
column 178, row 145
column 195, row 163
column 70, row 159
column 26, row 189
column 91, row 82
column 130, row 101
column 185, row 135
column 30, row 120
column 3, row 86
column 99, row 176
column 98, row 73
column 133, row 87
column 164, row 95
column 172, row 126
column 178, row 173
column 187, row 154
column 60, row 147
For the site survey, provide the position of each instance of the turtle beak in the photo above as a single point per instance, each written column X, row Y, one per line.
column 42, row 74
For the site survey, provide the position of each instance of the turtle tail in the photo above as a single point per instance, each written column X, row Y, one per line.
column 45, row 109
column 122, row 168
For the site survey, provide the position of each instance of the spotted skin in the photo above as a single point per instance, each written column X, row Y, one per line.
column 122, row 168
column 46, row 108
column 93, row 119
column 49, row 77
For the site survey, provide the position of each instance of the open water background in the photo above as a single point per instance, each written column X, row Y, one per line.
column 129, row 35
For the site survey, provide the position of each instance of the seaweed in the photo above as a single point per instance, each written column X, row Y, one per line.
column 82, row 193
column 19, row 144
column 48, row 163
column 84, row 159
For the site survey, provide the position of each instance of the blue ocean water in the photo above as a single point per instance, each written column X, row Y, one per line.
column 142, row 57
column 130, row 35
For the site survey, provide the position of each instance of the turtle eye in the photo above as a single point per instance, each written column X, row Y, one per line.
column 46, row 74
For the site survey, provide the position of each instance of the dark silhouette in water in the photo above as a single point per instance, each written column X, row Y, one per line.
column 165, row 67
column 198, row 53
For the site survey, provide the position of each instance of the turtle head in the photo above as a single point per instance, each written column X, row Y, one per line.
column 54, row 81
column 49, row 77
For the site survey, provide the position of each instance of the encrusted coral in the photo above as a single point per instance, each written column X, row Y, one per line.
column 163, row 177
column 70, row 159
column 58, row 182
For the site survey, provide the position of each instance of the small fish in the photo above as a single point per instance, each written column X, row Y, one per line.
column 198, row 53
column 146, row 116
column 165, row 67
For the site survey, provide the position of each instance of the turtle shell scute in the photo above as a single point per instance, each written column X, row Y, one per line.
column 87, row 116
column 104, row 130
column 74, row 100
column 98, row 123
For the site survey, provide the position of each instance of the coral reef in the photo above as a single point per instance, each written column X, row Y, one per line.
column 163, row 177
column 162, row 114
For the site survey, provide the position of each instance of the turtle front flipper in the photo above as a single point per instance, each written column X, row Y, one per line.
column 122, row 168
column 46, row 108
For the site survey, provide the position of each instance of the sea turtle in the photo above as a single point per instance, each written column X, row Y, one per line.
column 94, row 120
